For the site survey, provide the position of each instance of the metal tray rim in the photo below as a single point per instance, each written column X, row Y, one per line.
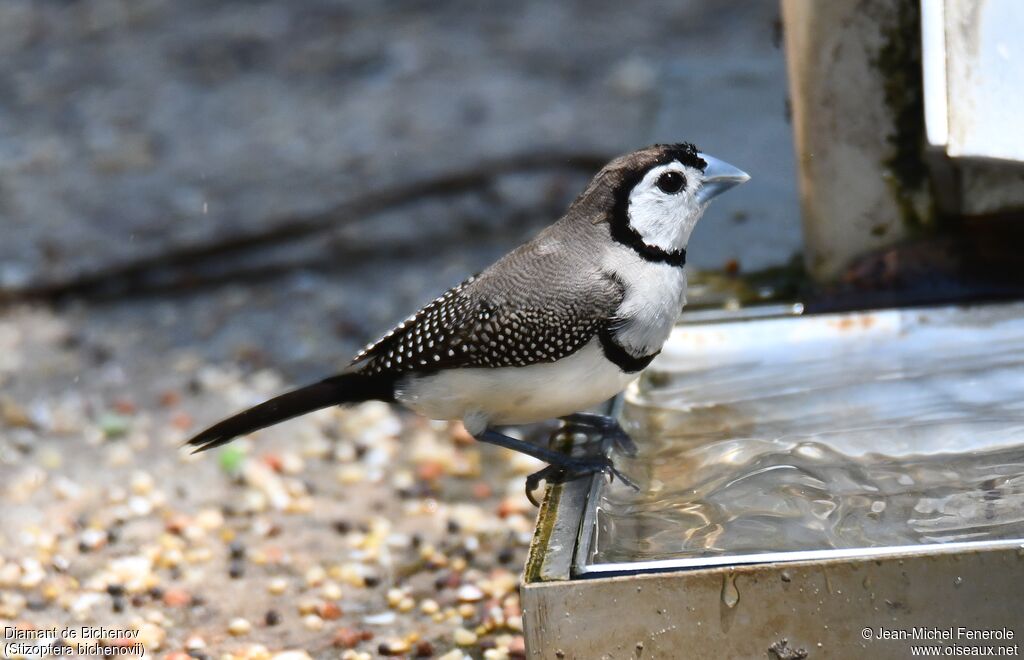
column 581, row 570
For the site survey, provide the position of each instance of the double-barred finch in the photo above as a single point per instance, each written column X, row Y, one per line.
column 556, row 326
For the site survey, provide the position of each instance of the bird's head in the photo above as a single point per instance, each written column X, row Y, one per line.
column 656, row 195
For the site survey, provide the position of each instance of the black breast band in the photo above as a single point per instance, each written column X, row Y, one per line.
column 620, row 356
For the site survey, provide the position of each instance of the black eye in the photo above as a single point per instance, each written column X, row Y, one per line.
column 671, row 182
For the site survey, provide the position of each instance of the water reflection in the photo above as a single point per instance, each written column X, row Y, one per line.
column 816, row 433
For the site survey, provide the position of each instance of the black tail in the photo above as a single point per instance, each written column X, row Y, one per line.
column 343, row 388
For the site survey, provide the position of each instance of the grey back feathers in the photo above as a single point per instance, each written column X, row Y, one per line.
column 540, row 303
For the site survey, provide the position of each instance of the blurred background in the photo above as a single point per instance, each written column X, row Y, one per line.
column 287, row 179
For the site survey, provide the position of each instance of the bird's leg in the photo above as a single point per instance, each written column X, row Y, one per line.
column 492, row 437
column 561, row 467
column 608, row 427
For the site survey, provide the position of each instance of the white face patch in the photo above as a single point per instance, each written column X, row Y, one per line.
column 666, row 219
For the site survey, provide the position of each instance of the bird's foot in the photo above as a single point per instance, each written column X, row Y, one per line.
column 574, row 467
column 608, row 427
column 562, row 467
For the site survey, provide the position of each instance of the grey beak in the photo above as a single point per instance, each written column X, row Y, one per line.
column 719, row 176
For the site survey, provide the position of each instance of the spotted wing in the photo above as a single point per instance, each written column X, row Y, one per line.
column 467, row 328
column 426, row 340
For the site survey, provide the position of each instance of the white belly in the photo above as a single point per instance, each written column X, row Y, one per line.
column 516, row 395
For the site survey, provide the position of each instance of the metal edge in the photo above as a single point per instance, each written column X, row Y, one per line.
column 723, row 561
column 569, row 504
column 752, row 313
column 561, row 521
column 585, row 533
column 747, row 611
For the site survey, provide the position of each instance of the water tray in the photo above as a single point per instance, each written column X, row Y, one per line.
column 820, row 436
column 878, row 455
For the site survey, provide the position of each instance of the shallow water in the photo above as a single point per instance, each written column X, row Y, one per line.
column 884, row 429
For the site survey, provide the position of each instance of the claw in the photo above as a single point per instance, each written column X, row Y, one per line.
column 614, row 472
column 611, row 434
column 574, row 468
column 532, row 484
column 550, row 473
